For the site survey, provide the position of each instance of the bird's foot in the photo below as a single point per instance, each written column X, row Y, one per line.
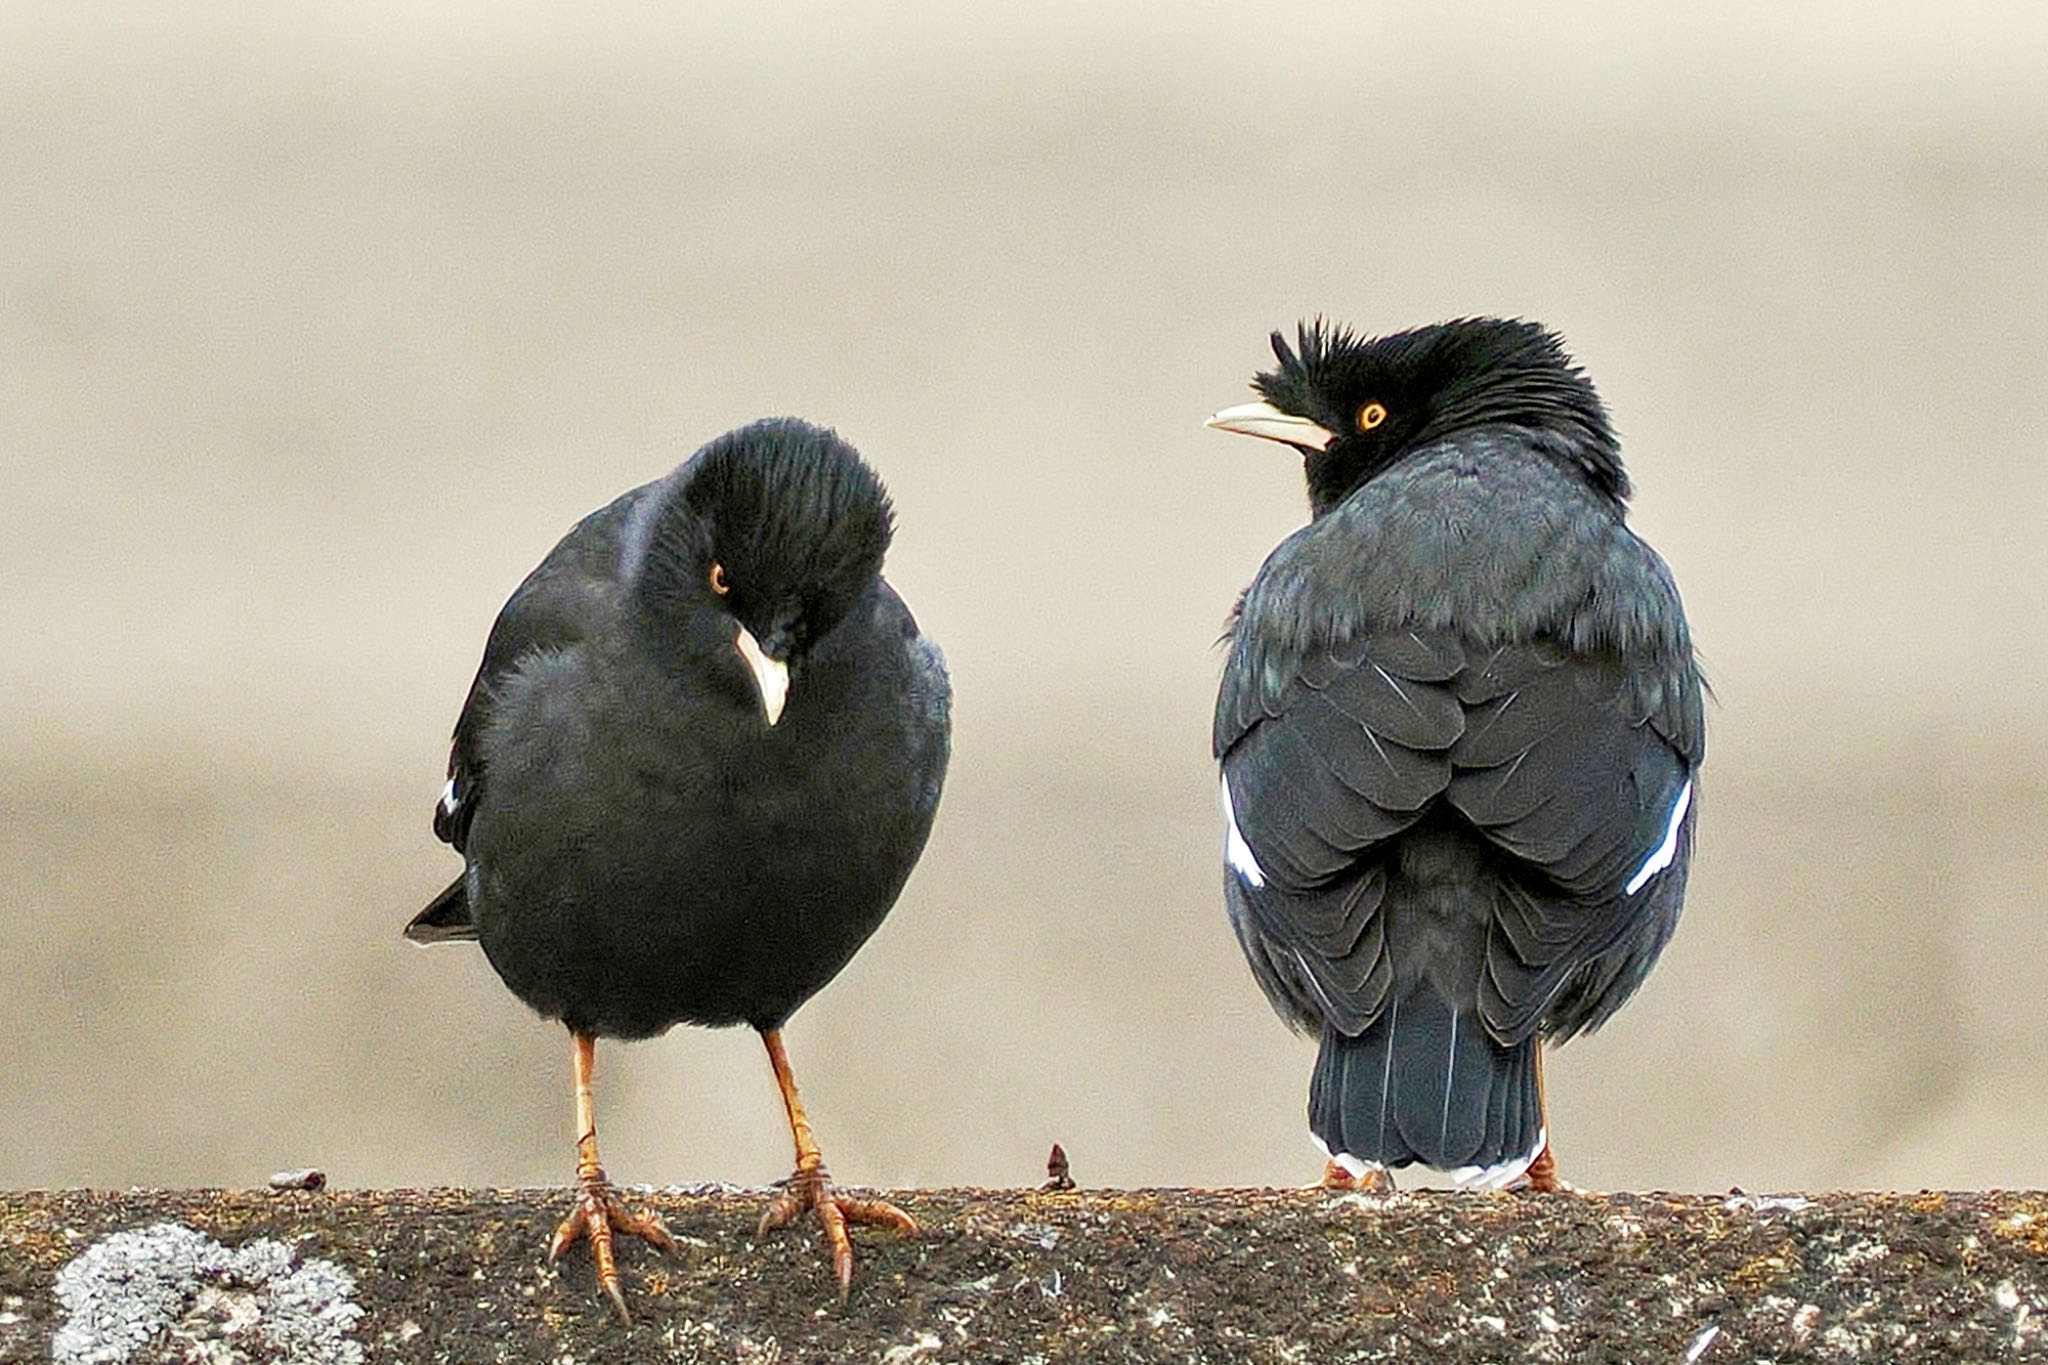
column 600, row 1216
column 1373, row 1180
column 1542, row 1176
column 810, row 1190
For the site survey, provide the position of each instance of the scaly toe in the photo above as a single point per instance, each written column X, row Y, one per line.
column 646, row 1225
column 574, row 1224
column 600, row 1216
column 810, row 1191
column 780, row 1214
column 875, row 1213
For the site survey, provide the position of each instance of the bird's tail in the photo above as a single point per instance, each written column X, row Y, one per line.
column 446, row 918
column 1425, row 1082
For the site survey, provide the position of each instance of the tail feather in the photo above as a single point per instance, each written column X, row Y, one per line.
column 1426, row 1083
column 446, row 918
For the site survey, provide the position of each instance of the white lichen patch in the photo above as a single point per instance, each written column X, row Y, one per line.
column 1042, row 1235
column 905, row 1353
column 1623, row 1228
column 1863, row 1339
column 188, row 1298
column 1856, row 1254
column 1372, row 1201
column 2026, row 1323
column 1760, row 1203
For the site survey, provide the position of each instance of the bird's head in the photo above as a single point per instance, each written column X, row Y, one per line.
column 1355, row 405
column 768, row 536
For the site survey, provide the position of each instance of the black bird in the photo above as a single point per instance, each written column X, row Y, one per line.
column 1458, row 731
column 696, row 767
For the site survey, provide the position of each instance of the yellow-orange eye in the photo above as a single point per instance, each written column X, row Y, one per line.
column 718, row 583
column 1371, row 415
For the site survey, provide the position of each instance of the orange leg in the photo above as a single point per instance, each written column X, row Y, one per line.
column 1542, row 1175
column 598, row 1212
column 810, row 1189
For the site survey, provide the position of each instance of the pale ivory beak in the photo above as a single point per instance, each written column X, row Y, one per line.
column 1263, row 419
column 770, row 675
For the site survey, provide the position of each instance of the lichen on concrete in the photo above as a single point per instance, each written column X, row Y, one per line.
column 1196, row 1277
column 178, row 1294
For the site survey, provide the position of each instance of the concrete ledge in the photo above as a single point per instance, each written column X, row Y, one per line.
column 1139, row 1275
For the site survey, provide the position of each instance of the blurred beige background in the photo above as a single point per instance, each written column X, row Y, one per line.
column 321, row 322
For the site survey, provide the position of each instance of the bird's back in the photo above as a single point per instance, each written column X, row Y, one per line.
column 1457, row 730
column 1433, row 640
column 1471, row 538
column 1452, row 739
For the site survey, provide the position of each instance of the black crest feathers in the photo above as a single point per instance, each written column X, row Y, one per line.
column 796, row 519
column 1441, row 380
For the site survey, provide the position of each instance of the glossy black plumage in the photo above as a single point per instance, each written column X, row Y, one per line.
column 1458, row 730
column 701, row 756
column 642, row 849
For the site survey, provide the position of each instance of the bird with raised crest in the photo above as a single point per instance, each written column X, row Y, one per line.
column 1459, row 729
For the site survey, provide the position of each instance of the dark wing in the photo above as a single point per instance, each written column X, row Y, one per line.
column 1349, row 752
column 566, row 598
column 1582, row 772
column 447, row 918
column 1576, row 770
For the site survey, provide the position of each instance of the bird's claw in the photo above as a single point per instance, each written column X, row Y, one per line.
column 810, row 1191
column 1375, row 1180
column 1542, row 1176
column 599, row 1215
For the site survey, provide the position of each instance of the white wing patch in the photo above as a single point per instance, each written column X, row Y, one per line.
column 1661, row 856
column 1236, row 851
column 1501, row 1176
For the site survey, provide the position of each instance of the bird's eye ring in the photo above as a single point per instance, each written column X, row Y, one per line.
column 718, row 583
column 1371, row 415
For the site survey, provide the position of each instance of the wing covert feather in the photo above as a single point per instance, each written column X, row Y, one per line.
column 1574, row 769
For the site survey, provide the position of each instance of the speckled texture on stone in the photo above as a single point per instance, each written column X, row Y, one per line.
column 166, row 1291
column 1141, row 1275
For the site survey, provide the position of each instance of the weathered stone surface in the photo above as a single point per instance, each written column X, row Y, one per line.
column 1139, row 1275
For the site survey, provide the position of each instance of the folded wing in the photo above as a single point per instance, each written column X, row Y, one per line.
column 567, row 597
column 1573, row 769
